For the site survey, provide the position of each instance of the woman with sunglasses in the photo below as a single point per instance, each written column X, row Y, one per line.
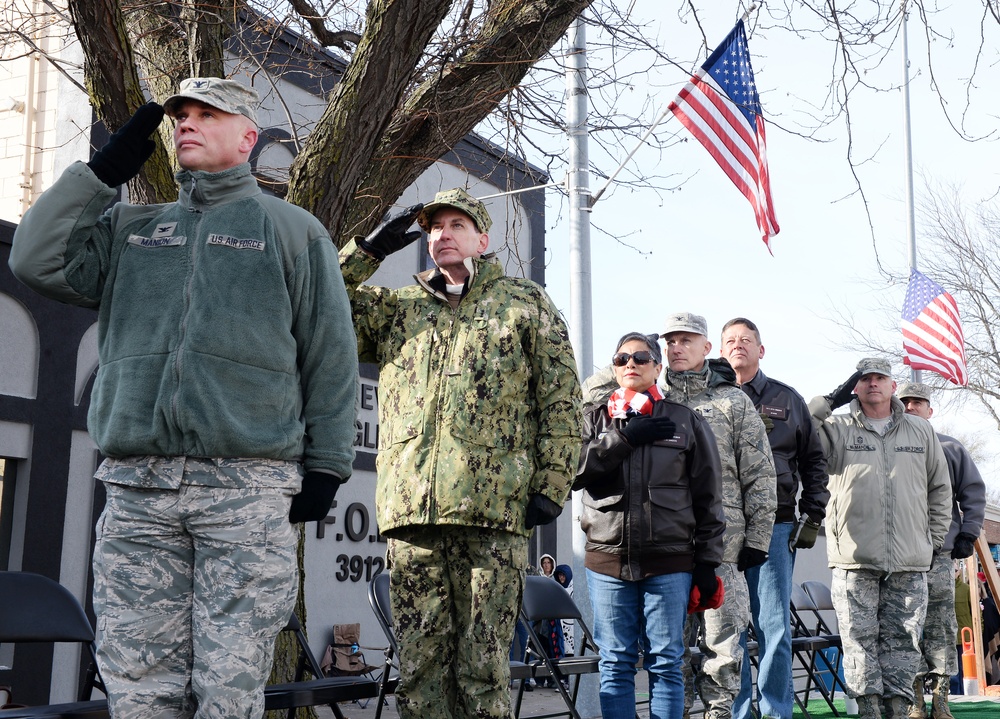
column 652, row 511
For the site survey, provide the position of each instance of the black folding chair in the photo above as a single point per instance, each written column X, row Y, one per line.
column 811, row 640
column 822, row 600
column 546, row 599
column 319, row 690
column 378, row 597
column 36, row 609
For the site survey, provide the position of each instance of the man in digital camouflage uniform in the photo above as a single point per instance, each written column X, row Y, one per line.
column 748, row 486
column 937, row 645
column 228, row 366
column 889, row 512
column 799, row 462
column 479, row 435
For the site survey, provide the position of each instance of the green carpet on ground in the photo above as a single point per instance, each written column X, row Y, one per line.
column 818, row 709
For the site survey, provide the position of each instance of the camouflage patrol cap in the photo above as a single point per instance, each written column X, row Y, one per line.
column 686, row 322
column 917, row 390
column 461, row 201
column 874, row 365
column 226, row 95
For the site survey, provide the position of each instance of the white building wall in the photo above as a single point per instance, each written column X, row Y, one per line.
column 44, row 118
column 13, row 109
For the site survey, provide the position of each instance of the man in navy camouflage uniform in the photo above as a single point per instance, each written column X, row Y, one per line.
column 479, row 435
column 228, row 366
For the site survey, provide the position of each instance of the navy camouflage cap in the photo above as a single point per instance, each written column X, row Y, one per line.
column 460, row 200
column 917, row 390
column 685, row 322
column 875, row 365
column 226, row 95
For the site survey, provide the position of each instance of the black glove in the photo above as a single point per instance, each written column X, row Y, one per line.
column 965, row 545
column 768, row 422
column 121, row 159
column 844, row 393
column 750, row 557
column 541, row 510
column 391, row 236
column 804, row 535
column 643, row 430
column 703, row 577
column 314, row 501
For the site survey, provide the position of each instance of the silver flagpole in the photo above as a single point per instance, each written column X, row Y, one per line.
column 579, row 199
column 911, row 232
column 581, row 319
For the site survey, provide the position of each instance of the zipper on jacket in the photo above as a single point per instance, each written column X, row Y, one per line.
column 182, row 334
column 890, row 501
column 444, row 349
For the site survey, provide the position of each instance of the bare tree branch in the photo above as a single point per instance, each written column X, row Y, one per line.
column 343, row 39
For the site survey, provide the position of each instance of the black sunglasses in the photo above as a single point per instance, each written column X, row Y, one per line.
column 641, row 357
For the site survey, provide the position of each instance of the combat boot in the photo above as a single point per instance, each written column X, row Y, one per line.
column 939, row 698
column 896, row 707
column 918, row 710
column 868, row 707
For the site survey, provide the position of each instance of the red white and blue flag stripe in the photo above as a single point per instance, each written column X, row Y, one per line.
column 932, row 333
column 721, row 108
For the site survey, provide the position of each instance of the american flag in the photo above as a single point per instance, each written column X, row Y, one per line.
column 932, row 332
column 720, row 107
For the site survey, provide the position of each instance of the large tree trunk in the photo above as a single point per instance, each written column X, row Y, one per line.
column 115, row 91
column 446, row 107
column 326, row 172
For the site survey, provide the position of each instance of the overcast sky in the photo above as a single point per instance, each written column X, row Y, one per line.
column 698, row 248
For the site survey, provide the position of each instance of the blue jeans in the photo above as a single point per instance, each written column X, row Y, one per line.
column 770, row 587
column 649, row 613
column 519, row 643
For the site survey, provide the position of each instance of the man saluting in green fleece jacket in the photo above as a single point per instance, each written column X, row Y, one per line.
column 228, row 366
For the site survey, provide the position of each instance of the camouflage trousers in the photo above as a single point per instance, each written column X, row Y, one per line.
column 941, row 627
column 719, row 631
column 455, row 594
column 191, row 586
column 880, row 618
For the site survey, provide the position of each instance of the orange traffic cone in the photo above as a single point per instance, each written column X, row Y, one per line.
column 970, row 678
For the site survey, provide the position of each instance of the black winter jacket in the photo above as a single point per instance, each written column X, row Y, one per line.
column 798, row 453
column 653, row 509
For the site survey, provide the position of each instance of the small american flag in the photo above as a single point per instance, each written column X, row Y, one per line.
column 721, row 108
column 932, row 332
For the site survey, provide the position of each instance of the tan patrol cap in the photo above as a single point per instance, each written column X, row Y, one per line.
column 226, row 95
column 461, row 201
column 875, row 365
column 686, row 322
column 917, row 390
